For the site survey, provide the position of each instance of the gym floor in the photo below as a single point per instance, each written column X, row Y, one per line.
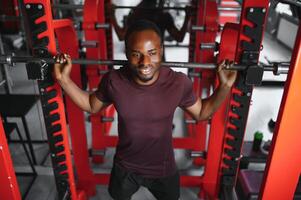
column 263, row 108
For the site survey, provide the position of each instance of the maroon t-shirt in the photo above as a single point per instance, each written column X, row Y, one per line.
column 145, row 115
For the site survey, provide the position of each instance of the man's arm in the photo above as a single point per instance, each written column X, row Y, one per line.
column 178, row 35
column 203, row 109
column 86, row 101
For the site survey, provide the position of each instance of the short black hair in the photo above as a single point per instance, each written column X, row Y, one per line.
column 141, row 25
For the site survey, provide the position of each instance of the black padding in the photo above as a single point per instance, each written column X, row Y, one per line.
column 59, row 159
column 59, row 149
column 51, row 119
column 234, row 153
column 61, row 168
column 50, row 94
column 54, row 129
column 58, row 138
column 233, row 132
column 248, row 184
column 51, row 107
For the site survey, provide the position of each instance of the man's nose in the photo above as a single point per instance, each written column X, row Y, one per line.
column 145, row 59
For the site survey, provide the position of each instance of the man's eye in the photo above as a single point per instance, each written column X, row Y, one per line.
column 153, row 53
column 135, row 55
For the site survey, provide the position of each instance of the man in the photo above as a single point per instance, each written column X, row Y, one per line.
column 145, row 96
column 152, row 10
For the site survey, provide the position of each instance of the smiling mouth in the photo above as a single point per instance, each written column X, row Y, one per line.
column 146, row 71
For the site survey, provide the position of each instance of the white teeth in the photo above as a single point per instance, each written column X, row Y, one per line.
column 146, row 71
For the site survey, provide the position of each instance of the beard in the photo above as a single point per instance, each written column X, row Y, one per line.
column 144, row 73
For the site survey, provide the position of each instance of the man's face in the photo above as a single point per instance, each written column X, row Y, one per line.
column 144, row 53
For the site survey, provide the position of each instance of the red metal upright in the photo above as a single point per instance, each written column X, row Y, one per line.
column 40, row 29
column 69, row 45
column 94, row 12
column 229, row 122
column 284, row 162
column 227, row 51
column 9, row 188
column 205, row 15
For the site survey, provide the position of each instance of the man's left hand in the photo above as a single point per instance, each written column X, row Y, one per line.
column 226, row 77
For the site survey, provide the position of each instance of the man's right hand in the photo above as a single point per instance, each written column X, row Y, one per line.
column 62, row 67
column 83, row 99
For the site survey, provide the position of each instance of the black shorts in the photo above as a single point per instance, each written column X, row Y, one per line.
column 124, row 184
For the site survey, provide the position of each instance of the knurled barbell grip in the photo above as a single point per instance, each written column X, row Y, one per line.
column 212, row 45
column 79, row 26
column 107, row 119
column 198, row 154
column 198, row 28
column 222, row 8
column 102, row 26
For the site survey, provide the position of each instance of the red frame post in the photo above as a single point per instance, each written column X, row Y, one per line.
column 48, row 34
column 94, row 12
column 283, row 167
column 221, row 125
column 76, row 117
column 9, row 188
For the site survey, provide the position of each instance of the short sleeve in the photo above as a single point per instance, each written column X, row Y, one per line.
column 103, row 90
column 188, row 96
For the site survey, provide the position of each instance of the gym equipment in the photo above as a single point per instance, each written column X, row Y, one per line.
column 286, row 142
column 9, row 129
column 223, row 153
column 9, row 186
column 78, row 6
column 41, row 30
column 90, row 26
column 95, row 12
column 204, row 18
column 240, row 42
column 38, row 67
column 249, row 182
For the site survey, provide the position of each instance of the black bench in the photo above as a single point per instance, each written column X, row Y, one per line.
column 249, row 183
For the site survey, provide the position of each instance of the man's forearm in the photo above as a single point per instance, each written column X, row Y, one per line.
column 78, row 96
column 211, row 104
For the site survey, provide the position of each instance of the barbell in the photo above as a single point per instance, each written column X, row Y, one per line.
column 219, row 8
column 11, row 60
column 80, row 7
column 37, row 67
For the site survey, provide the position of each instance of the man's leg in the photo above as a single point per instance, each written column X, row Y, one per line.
column 122, row 184
column 167, row 188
